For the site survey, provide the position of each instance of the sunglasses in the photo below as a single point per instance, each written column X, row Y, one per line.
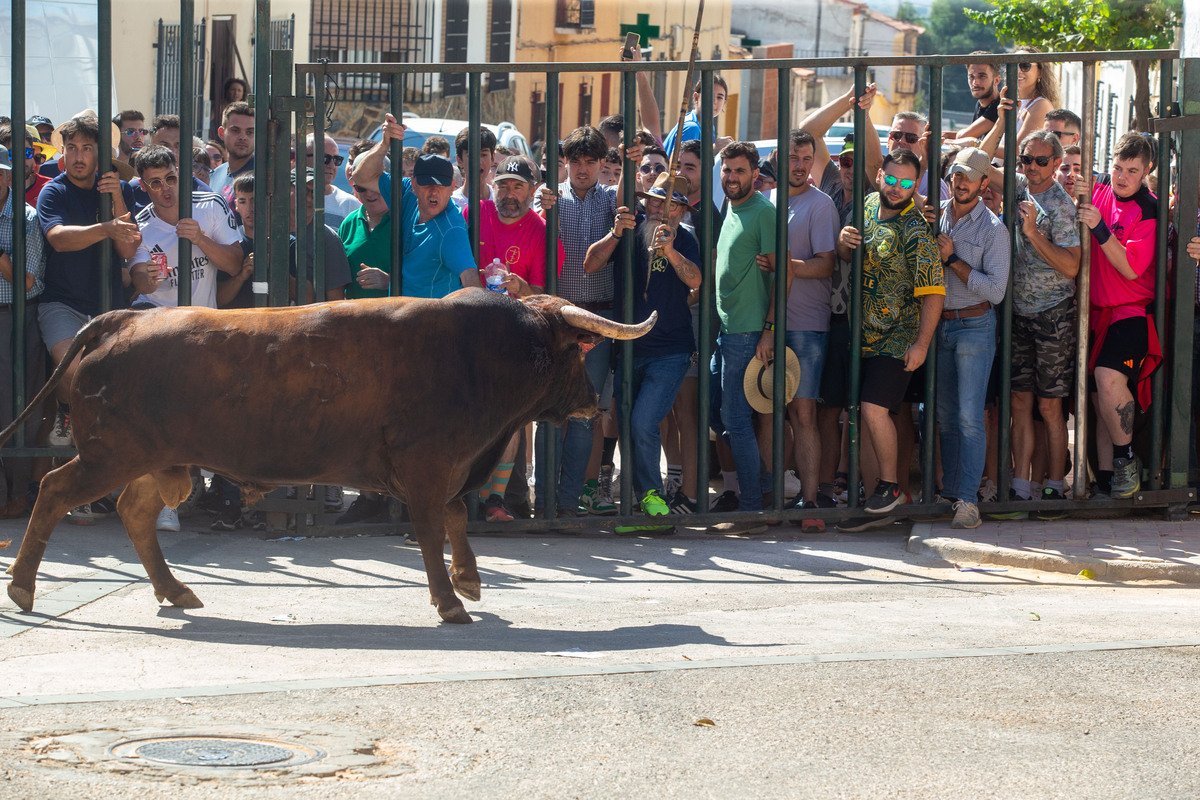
column 846, row 161
column 1042, row 161
column 1061, row 134
column 905, row 183
column 911, row 138
column 652, row 169
column 156, row 185
column 131, row 132
column 30, row 152
column 330, row 159
column 1025, row 66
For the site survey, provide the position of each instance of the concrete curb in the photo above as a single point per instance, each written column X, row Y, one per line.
column 922, row 542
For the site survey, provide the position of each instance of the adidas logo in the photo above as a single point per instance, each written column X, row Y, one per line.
column 1129, row 363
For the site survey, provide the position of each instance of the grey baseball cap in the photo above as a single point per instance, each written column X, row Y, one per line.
column 5, row 161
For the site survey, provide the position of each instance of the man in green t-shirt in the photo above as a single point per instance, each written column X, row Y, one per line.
column 902, row 301
column 744, row 304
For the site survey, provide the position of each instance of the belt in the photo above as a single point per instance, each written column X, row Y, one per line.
column 977, row 310
column 839, row 319
column 602, row 306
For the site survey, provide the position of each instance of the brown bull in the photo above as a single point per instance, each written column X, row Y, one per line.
column 412, row 398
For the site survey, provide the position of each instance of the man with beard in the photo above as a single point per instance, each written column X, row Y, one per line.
column 902, row 302
column 237, row 132
column 1045, row 264
column 68, row 209
column 974, row 251
column 910, row 132
column 666, row 269
column 132, row 124
column 745, row 307
column 984, row 82
column 812, row 239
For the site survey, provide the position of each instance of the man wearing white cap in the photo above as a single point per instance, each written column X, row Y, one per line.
column 973, row 245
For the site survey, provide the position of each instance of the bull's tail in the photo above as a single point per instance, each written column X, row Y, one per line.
column 88, row 334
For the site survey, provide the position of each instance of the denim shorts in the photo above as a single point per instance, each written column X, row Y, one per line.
column 59, row 322
column 809, row 347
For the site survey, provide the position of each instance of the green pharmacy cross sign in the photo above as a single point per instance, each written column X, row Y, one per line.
column 642, row 28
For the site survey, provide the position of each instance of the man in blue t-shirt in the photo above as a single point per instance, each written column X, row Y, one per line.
column 437, row 252
column 691, row 122
column 666, row 269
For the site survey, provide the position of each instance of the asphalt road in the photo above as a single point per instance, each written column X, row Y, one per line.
column 829, row 666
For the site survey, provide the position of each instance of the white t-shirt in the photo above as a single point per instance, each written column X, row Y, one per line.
column 339, row 204
column 159, row 242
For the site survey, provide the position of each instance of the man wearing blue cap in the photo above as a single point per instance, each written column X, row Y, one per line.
column 437, row 252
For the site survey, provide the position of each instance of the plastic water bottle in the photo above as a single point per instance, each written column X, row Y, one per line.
column 495, row 273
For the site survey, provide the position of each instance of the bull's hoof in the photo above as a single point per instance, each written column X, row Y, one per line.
column 467, row 589
column 22, row 597
column 187, row 599
column 457, row 615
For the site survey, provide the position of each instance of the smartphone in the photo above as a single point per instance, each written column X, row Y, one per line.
column 631, row 41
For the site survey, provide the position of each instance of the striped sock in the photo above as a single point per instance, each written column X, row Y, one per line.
column 500, row 477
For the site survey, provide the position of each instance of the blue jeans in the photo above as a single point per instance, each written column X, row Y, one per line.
column 656, row 382
column 575, row 449
column 965, row 351
column 736, row 420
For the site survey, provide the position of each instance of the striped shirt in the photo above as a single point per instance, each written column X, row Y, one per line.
column 982, row 241
column 35, row 253
column 583, row 221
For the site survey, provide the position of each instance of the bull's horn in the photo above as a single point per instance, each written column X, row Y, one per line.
column 594, row 323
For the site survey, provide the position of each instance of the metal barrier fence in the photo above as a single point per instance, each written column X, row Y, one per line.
column 283, row 110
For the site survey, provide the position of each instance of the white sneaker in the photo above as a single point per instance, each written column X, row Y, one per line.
column 966, row 515
column 988, row 491
column 791, row 484
column 333, row 499
column 168, row 520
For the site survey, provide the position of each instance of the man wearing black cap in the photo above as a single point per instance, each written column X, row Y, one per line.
column 665, row 271
column 437, row 253
column 43, row 125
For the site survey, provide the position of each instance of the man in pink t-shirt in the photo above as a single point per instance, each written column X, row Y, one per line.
column 1122, row 217
column 513, row 233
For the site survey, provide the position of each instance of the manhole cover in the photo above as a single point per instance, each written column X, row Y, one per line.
column 216, row 751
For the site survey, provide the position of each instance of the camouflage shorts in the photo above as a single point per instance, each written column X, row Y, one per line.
column 1043, row 351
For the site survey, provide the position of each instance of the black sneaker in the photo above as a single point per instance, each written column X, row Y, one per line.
column 860, row 524
column 885, row 498
column 1127, row 476
column 825, row 501
column 228, row 519
column 727, row 502
column 365, row 510
column 680, row 504
column 1048, row 515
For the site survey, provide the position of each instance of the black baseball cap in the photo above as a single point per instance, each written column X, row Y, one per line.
column 433, row 170
column 38, row 119
column 765, row 170
column 515, row 168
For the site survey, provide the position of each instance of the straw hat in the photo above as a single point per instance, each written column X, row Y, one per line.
column 759, row 382
column 56, row 139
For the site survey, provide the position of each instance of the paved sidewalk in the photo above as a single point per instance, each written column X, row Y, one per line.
column 1113, row 549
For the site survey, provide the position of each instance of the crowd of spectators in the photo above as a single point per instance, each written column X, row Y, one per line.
column 929, row 274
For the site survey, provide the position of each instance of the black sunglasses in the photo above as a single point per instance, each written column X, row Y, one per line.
column 1042, row 161
column 911, row 138
column 1025, row 66
column 328, row 158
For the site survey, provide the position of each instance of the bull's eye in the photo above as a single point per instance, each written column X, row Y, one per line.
column 586, row 347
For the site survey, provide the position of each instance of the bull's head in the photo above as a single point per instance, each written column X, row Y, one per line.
column 575, row 331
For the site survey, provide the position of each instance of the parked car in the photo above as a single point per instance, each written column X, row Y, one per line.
column 421, row 128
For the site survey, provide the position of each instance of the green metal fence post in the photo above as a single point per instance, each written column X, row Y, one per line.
column 783, row 123
column 104, row 111
column 187, row 116
column 933, row 161
column 1158, row 410
column 19, row 234
column 304, row 237
column 856, row 294
column 707, row 292
column 1079, row 487
column 318, row 225
column 1182, row 334
column 280, row 99
column 396, row 201
column 471, row 180
column 625, row 263
column 262, row 175
column 1004, row 423
column 548, row 454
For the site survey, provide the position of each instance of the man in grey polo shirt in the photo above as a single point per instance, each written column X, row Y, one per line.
column 973, row 245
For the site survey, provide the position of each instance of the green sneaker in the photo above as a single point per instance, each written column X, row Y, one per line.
column 653, row 505
column 590, row 502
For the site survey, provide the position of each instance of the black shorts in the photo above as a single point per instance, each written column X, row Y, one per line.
column 1125, row 346
column 835, row 376
column 884, row 382
column 915, row 393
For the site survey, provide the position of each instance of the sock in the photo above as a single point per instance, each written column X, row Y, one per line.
column 731, row 481
column 1055, row 485
column 1104, row 479
column 606, row 453
column 1035, row 489
column 1022, row 488
column 675, row 471
column 1123, row 451
column 500, row 477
